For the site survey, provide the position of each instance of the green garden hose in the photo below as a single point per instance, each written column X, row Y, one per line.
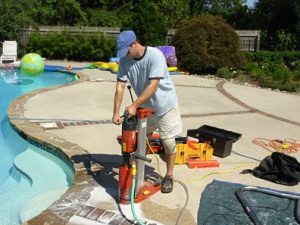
column 132, row 195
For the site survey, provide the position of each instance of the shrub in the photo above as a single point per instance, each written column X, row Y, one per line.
column 280, row 72
column 223, row 72
column 65, row 46
column 205, row 44
column 276, row 70
column 226, row 73
column 258, row 73
column 296, row 67
column 263, row 57
column 284, row 86
column 286, row 57
column 250, row 66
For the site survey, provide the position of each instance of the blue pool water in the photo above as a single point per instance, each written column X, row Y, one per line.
column 31, row 179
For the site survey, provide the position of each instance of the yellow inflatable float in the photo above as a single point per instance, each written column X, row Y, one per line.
column 172, row 68
column 113, row 66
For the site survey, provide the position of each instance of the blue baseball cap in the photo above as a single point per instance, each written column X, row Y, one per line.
column 124, row 40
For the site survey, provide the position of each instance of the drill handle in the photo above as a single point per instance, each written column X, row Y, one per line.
column 144, row 158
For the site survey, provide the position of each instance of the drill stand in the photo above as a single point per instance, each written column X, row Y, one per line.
column 133, row 142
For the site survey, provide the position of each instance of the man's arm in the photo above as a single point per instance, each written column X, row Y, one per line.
column 147, row 93
column 120, row 86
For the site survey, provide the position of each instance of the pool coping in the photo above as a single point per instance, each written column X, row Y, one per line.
column 72, row 201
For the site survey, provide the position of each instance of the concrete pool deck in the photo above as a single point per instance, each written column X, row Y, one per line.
column 76, row 118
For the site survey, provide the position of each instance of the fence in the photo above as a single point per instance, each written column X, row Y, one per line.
column 45, row 31
column 249, row 39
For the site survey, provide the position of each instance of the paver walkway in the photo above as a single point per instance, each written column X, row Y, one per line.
column 81, row 114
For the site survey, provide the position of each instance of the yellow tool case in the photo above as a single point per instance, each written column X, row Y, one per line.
column 199, row 151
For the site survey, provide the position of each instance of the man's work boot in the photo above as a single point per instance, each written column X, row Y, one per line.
column 167, row 184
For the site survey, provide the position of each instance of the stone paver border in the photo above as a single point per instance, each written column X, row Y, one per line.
column 73, row 200
column 220, row 88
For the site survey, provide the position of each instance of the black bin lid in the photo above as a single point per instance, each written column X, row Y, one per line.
column 210, row 131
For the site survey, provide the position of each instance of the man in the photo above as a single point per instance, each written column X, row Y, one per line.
column 146, row 69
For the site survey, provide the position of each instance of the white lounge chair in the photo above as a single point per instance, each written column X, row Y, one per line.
column 9, row 51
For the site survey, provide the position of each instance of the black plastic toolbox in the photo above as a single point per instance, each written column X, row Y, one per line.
column 221, row 140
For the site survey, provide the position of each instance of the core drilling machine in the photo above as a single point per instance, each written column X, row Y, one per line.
column 133, row 145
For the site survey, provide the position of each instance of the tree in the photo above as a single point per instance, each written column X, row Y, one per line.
column 104, row 4
column 13, row 18
column 103, row 18
column 175, row 11
column 242, row 18
column 57, row 12
column 275, row 16
column 148, row 22
column 234, row 12
column 222, row 8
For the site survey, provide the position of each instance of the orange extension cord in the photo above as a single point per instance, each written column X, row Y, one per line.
column 286, row 146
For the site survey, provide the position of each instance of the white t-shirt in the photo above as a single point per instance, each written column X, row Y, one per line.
column 139, row 73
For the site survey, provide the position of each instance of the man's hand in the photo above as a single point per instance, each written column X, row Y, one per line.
column 131, row 110
column 120, row 86
column 116, row 119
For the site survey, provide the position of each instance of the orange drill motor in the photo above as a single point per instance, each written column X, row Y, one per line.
column 129, row 145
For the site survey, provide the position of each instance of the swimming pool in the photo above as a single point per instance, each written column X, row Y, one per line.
column 31, row 179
